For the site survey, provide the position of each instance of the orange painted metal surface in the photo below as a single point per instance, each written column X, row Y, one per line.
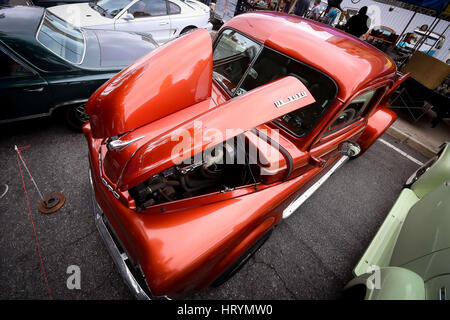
column 186, row 244
column 378, row 123
column 164, row 81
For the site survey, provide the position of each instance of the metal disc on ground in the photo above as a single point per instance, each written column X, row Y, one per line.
column 52, row 202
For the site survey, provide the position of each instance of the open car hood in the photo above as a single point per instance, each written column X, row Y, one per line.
column 168, row 79
column 151, row 149
column 150, row 107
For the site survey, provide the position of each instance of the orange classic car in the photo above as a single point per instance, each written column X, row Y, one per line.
column 199, row 149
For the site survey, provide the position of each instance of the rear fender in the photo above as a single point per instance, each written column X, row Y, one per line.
column 400, row 79
column 378, row 123
column 393, row 283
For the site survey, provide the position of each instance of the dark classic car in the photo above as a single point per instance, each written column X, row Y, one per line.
column 39, row 3
column 46, row 63
column 198, row 151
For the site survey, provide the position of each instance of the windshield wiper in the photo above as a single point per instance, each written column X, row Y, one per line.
column 95, row 6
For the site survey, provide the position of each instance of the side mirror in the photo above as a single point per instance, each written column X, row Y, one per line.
column 128, row 16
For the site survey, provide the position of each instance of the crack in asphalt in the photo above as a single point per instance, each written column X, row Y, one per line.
column 270, row 266
column 64, row 247
column 317, row 257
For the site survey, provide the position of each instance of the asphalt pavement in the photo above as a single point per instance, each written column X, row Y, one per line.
column 309, row 256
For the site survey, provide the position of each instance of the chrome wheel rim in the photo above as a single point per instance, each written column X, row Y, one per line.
column 80, row 113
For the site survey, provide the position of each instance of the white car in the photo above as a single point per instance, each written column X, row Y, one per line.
column 163, row 19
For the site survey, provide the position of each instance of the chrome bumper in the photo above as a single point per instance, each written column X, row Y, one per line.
column 120, row 257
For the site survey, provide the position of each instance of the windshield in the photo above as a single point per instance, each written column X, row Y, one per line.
column 110, row 7
column 241, row 64
column 61, row 38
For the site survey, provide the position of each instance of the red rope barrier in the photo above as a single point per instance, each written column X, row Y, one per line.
column 34, row 228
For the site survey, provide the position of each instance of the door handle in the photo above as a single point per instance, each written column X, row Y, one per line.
column 34, row 90
column 163, row 23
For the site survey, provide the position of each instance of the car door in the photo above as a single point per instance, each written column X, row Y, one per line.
column 147, row 16
column 24, row 93
column 177, row 21
column 348, row 125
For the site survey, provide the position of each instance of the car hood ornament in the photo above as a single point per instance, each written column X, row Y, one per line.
column 119, row 145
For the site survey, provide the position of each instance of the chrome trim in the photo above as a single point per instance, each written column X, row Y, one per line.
column 290, row 209
column 100, row 169
column 118, row 258
column 40, row 115
column 67, row 103
column 119, row 145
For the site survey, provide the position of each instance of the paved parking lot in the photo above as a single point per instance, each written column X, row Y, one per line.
column 309, row 256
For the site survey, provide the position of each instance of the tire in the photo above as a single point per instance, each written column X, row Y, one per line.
column 241, row 261
column 76, row 116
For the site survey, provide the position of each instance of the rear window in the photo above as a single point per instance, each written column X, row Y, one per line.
column 62, row 38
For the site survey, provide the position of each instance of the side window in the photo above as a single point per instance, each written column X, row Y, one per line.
column 148, row 8
column 10, row 68
column 174, row 8
column 353, row 112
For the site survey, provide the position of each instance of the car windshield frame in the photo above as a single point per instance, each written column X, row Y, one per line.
column 238, row 91
column 80, row 30
column 107, row 11
column 244, row 75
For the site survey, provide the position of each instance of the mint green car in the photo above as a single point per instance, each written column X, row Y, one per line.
column 409, row 258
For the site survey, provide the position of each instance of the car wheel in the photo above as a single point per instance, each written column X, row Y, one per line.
column 187, row 30
column 241, row 261
column 76, row 116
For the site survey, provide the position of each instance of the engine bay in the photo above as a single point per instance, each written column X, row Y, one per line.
column 219, row 169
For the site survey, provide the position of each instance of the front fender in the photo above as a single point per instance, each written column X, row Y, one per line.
column 394, row 284
column 378, row 123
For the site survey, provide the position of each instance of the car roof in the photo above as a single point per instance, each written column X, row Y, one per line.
column 352, row 63
column 20, row 21
column 18, row 26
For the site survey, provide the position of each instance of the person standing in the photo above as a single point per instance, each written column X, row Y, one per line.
column 286, row 6
column 331, row 15
column 314, row 14
column 334, row 4
column 359, row 23
column 301, row 7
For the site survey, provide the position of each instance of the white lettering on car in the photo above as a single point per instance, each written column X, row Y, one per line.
column 290, row 99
